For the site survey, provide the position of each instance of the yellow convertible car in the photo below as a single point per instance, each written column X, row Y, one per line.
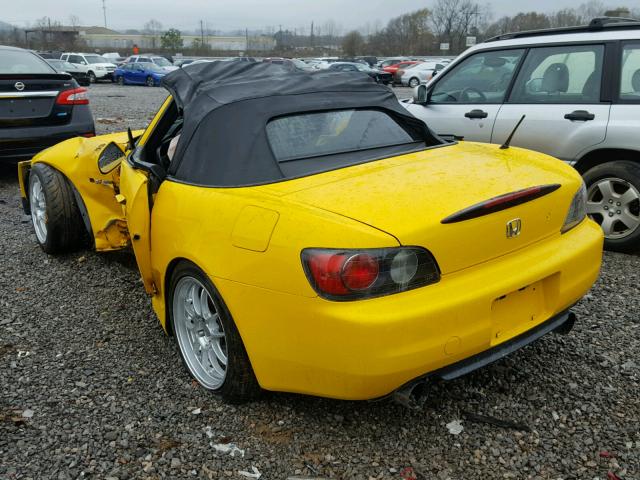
column 304, row 233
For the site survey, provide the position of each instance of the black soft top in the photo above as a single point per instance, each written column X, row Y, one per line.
column 227, row 105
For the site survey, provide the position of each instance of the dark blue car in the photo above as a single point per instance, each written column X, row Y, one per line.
column 148, row 74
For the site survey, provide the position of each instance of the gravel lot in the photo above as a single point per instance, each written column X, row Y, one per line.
column 91, row 387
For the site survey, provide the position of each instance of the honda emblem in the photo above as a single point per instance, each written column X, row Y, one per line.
column 514, row 227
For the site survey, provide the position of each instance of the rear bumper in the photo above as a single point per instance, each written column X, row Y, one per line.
column 18, row 144
column 370, row 348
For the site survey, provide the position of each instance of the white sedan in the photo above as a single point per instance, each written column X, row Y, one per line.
column 419, row 73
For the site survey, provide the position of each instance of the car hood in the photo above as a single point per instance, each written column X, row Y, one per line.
column 102, row 65
column 408, row 197
column 169, row 69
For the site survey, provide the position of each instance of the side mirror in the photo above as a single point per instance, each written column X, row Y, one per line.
column 420, row 96
column 110, row 157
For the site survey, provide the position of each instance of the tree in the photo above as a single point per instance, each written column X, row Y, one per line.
column 171, row 39
column 153, row 28
column 352, row 44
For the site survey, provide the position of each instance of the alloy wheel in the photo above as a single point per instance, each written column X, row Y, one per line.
column 614, row 204
column 38, row 205
column 200, row 332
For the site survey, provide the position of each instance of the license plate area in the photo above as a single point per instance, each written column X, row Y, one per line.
column 518, row 311
column 25, row 108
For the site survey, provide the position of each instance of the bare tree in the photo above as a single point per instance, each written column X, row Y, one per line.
column 153, row 28
column 352, row 44
column 452, row 20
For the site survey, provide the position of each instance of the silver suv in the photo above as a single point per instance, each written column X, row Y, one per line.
column 579, row 88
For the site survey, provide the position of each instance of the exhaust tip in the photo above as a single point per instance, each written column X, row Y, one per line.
column 413, row 395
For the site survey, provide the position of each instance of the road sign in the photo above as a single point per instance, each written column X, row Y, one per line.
column 444, row 46
column 471, row 41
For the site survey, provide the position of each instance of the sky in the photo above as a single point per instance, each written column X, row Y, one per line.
column 224, row 15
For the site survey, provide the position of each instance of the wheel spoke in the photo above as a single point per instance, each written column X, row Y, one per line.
column 204, row 304
column 606, row 188
column 629, row 196
column 630, row 221
column 219, row 351
column 607, row 225
column 594, row 207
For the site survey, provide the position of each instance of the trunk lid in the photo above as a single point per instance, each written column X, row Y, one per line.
column 30, row 100
column 409, row 196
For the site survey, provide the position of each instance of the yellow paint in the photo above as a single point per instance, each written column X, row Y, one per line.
column 253, row 228
column 248, row 241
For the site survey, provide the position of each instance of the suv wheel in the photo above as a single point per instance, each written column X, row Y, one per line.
column 613, row 201
column 92, row 77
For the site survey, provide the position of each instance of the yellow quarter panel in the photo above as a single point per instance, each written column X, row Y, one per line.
column 254, row 227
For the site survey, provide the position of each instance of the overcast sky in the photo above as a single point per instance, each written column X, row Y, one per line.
column 253, row 14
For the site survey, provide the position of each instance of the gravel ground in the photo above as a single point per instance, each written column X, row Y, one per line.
column 92, row 388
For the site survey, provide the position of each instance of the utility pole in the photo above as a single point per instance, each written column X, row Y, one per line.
column 201, row 35
column 104, row 12
column 246, row 41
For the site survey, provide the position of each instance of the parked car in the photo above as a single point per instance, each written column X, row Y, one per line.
column 161, row 62
column 65, row 67
column 344, row 251
column 391, row 61
column 140, row 73
column 39, row 106
column 95, row 66
column 579, row 88
column 290, row 64
column 378, row 75
column 412, row 76
column 392, row 69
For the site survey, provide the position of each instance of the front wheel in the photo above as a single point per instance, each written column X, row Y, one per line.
column 613, row 201
column 92, row 77
column 121, row 80
column 151, row 82
column 414, row 82
column 54, row 212
column 210, row 344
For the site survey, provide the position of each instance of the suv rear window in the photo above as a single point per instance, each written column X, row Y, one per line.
column 17, row 61
column 323, row 134
column 630, row 78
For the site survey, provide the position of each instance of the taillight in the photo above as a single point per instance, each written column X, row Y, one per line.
column 355, row 274
column 76, row 96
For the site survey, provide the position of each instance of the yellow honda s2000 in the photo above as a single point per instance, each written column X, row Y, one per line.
column 307, row 234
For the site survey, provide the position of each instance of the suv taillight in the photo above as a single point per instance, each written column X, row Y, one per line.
column 358, row 274
column 77, row 96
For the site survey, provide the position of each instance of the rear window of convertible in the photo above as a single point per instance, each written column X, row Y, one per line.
column 327, row 134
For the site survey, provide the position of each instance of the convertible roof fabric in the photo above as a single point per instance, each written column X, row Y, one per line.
column 227, row 105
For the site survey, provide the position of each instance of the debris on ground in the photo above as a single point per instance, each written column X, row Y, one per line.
column 230, row 449
column 253, row 474
column 455, row 427
column 498, row 422
column 408, row 473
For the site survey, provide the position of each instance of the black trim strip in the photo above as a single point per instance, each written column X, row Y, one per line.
column 487, row 357
column 494, row 204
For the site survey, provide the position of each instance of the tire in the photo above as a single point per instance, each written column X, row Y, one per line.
column 55, row 214
column 414, row 82
column 613, row 201
column 237, row 382
column 121, row 80
column 92, row 77
column 150, row 82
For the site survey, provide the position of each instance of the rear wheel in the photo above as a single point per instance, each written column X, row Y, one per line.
column 613, row 201
column 210, row 344
column 414, row 82
column 92, row 77
column 151, row 82
column 54, row 212
column 121, row 80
